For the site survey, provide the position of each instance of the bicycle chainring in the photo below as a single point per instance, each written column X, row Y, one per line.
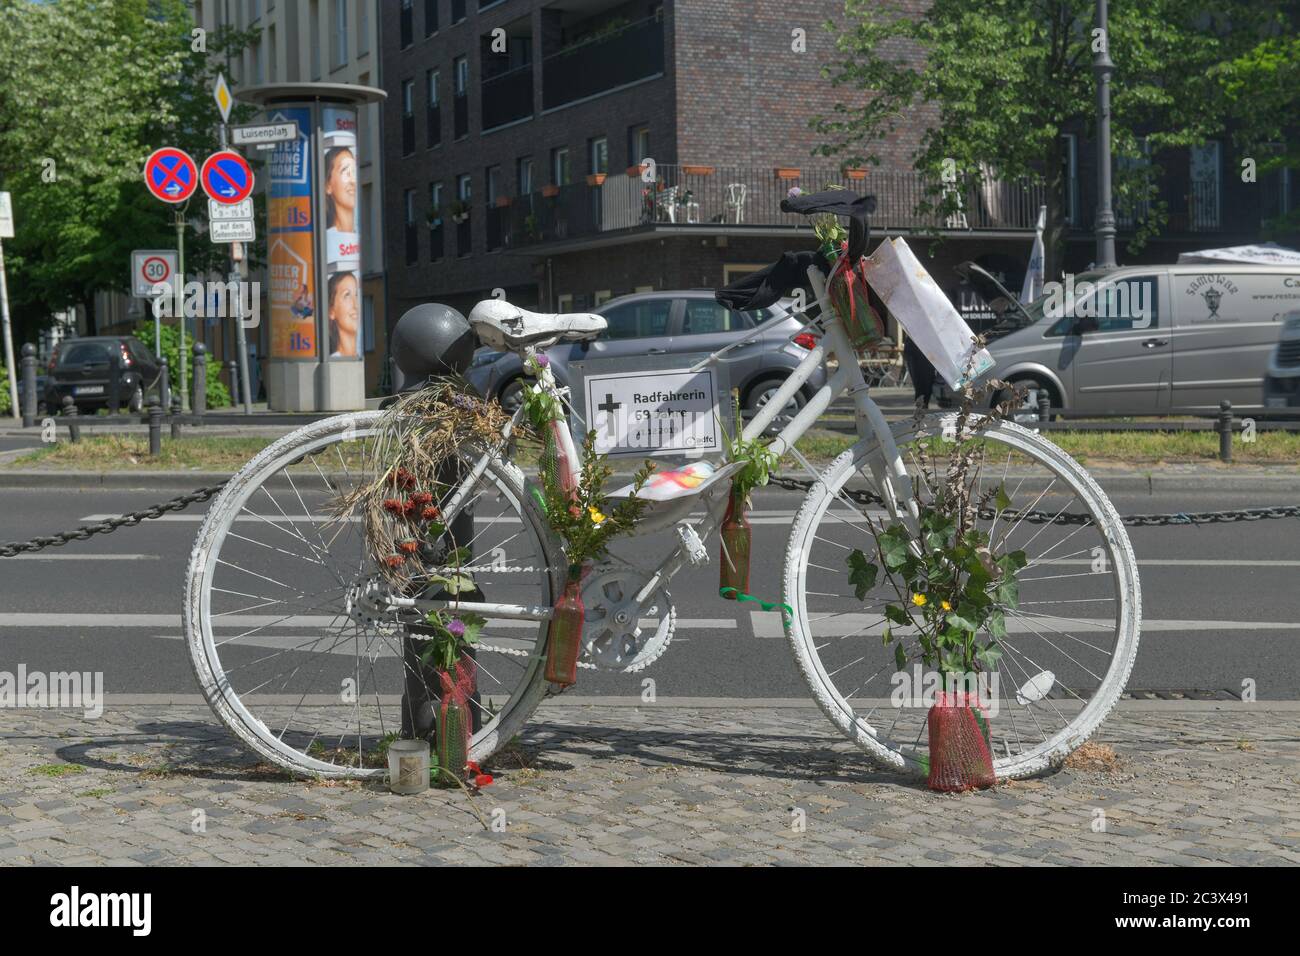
column 613, row 636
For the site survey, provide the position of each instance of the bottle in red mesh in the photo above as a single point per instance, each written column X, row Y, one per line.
column 733, row 563
column 848, row 295
column 960, row 758
column 455, row 722
column 564, row 637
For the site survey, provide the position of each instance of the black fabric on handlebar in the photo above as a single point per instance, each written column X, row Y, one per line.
column 760, row 289
column 840, row 202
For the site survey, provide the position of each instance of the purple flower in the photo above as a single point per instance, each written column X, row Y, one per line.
column 543, row 359
column 794, row 191
column 456, row 627
column 463, row 401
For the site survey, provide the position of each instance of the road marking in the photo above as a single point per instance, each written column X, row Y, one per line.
column 768, row 624
column 86, row 557
column 55, row 619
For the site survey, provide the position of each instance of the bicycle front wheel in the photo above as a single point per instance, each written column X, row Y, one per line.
column 290, row 653
column 1071, row 635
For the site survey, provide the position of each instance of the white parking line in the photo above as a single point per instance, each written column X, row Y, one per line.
column 35, row 619
column 768, row 624
column 85, row 557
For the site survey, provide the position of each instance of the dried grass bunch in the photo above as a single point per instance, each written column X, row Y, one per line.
column 413, row 466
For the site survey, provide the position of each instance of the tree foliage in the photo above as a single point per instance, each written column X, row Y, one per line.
column 89, row 88
column 1001, row 81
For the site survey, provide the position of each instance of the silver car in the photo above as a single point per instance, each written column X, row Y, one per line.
column 664, row 323
column 1148, row 340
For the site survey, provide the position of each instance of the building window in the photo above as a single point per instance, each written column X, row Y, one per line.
column 464, row 189
column 363, row 28
column 524, row 168
column 492, row 176
column 638, row 144
column 457, row 11
column 560, row 166
column 405, row 27
column 430, row 17
column 462, row 75
column 412, row 236
column 408, row 117
column 598, row 155
column 339, row 34
column 434, row 118
column 1204, row 172
column 436, row 216
column 256, row 55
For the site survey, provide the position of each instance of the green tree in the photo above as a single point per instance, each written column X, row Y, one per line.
column 170, row 339
column 1003, row 79
column 89, row 88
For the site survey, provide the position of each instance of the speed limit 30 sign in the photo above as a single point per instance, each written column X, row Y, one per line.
column 149, row 267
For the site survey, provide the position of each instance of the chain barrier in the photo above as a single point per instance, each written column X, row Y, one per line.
column 1073, row 518
column 181, row 502
column 109, row 525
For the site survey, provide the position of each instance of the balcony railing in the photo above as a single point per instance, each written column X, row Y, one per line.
column 460, row 115
column 631, row 53
column 463, row 238
column 507, row 97
column 734, row 196
column 496, row 219
column 412, row 244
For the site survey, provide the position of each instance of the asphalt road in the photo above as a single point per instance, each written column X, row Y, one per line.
column 1240, row 583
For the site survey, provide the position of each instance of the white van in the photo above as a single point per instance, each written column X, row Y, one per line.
column 1282, row 385
column 1203, row 333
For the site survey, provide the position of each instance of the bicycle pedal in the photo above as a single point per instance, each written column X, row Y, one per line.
column 695, row 550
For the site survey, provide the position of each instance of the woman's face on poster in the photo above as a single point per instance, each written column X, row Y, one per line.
column 342, row 188
column 344, row 306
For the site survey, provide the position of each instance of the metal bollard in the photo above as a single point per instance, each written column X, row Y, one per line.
column 1044, row 406
column 70, row 410
column 29, row 384
column 164, row 384
column 1225, row 430
column 200, row 403
column 155, row 428
column 233, row 368
column 176, row 415
column 114, row 378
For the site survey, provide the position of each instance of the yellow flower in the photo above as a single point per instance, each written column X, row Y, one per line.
column 596, row 517
column 919, row 600
column 946, row 605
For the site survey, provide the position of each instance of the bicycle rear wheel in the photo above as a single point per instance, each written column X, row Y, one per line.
column 276, row 618
column 1072, row 635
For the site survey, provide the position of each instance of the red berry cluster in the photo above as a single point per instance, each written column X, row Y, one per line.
column 415, row 506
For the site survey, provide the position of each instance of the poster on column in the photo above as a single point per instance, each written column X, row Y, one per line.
column 342, row 232
column 290, row 242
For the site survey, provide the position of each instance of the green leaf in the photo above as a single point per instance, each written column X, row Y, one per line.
column 988, row 656
column 1008, row 592
column 887, row 636
column 900, row 656
column 459, row 584
column 1002, row 500
column 961, row 623
column 997, row 625
column 862, row 574
column 896, row 614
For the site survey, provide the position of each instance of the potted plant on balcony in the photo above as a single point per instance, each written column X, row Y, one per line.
column 531, row 228
column 503, row 202
column 787, row 172
column 460, row 211
column 636, row 169
column 435, row 217
column 596, row 179
column 697, row 170
column 855, row 173
column 550, row 191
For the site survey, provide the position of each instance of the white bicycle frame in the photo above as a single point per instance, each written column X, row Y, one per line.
column 887, row 469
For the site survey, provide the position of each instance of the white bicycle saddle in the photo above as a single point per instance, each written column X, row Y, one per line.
column 504, row 326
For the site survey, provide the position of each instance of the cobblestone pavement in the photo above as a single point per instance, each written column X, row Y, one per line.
column 661, row 784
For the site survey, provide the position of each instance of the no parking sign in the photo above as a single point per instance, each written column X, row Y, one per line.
column 227, row 178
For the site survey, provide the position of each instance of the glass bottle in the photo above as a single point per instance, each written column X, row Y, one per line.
column 733, row 564
column 564, row 636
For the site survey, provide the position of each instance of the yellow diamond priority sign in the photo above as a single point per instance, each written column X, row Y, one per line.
column 221, row 93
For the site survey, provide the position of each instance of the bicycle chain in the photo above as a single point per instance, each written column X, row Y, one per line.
column 1073, row 518
column 109, row 525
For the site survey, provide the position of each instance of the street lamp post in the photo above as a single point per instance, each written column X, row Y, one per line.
column 1102, row 66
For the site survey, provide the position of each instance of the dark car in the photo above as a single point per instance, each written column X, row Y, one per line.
column 664, row 323
column 83, row 368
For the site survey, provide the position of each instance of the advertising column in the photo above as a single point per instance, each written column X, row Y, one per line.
column 291, row 253
column 342, row 372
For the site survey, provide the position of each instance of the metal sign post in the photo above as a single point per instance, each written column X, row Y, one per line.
column 180, row 304
column 7, row 232
column 240, row 209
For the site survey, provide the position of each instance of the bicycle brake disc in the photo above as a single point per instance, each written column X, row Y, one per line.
column 618, row 635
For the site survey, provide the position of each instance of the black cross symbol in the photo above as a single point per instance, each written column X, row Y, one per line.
column 609, row 405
